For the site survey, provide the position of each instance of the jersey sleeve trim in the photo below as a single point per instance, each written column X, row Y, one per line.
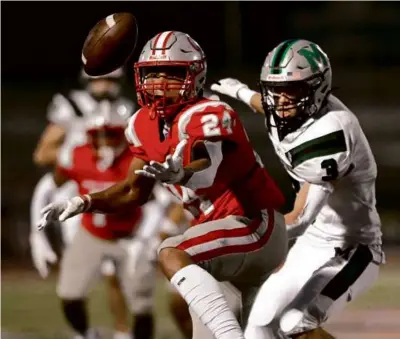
column 130, row 132
column 329, row 144
column 184, row 119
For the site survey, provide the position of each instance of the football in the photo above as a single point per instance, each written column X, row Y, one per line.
column 109, row 44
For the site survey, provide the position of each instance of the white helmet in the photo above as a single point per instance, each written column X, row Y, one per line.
column 185, row 60
column 294, row 64
column 110, row 90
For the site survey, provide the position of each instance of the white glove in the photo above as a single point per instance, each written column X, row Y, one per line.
column 60, row 211
column 42, row 253
column 235, row 89
column 171, row 171
column 228, row 86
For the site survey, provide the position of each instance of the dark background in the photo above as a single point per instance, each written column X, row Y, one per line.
column 41, row 47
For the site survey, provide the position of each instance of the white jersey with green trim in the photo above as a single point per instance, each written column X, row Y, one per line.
column 334, row 148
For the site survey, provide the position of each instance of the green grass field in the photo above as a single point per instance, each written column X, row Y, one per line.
column 30, row 308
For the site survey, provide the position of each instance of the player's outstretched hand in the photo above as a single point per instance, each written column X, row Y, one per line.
column 229, row 87
column 42, row 253
column 170, row 171
column 61, row 211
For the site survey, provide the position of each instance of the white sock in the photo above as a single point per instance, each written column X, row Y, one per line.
column 203, row 294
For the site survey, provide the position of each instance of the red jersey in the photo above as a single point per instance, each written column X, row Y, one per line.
column 79, row 164
column 241, row 186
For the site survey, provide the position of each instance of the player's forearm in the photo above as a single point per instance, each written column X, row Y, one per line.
column 251, row 98
column 49, row 144
column 313, row 198
column 256, row 103
column 299, row 204
column 117, row 198
column 122, row 197
column 194, row 167
column 46, row 156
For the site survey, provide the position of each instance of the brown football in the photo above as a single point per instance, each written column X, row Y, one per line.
column 109, row 44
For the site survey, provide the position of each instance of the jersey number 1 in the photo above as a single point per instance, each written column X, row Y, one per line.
column 331, row 168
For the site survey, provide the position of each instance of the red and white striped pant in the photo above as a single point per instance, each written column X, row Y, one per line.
column 236, row 249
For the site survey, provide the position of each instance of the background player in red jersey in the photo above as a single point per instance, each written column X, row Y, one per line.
column 200, row 147
column 103, row 236
column 66, row 114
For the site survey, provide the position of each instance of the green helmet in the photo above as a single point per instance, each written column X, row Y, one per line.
column 295, row 64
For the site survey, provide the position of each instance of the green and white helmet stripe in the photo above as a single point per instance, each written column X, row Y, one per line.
column 279, row 55
column 299, row 60
column 294, row 60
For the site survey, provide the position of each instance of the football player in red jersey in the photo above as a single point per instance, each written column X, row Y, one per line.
column 94, row 166
column 201, row 149
column 66, row 114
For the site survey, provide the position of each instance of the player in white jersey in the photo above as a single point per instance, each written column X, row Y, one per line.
column 321, row 145
column 66, row 114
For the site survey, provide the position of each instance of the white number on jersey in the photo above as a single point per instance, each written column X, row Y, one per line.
column 99, row 220
column 210, row 124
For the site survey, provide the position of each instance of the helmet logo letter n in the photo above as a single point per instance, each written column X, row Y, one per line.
column 313, row 56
